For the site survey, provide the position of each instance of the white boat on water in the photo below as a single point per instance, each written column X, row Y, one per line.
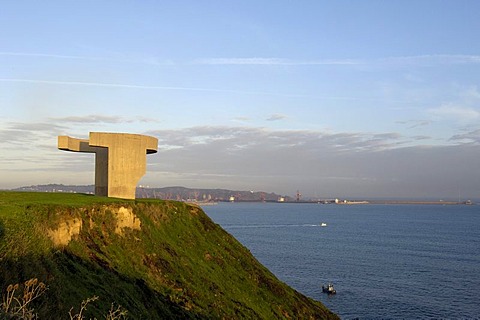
column 323, row 224
column 329, row 289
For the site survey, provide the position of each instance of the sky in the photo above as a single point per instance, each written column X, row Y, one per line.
column 352, row 99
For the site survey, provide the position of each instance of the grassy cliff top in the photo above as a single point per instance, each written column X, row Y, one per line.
column 157, row 259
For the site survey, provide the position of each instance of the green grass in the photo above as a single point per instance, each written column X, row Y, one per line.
column 179, row 265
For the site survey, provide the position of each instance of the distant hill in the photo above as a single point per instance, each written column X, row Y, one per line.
column 182, row 193
column 168, row 193
column 89, row 189
column 156, row 259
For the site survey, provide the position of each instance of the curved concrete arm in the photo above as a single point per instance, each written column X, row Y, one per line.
column 127, row 140
column 67, row 143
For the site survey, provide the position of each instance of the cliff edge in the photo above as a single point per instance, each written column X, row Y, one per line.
column 156, row 259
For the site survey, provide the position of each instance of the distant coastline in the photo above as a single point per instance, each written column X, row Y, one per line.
column 439, row 202
column 389, row 202
column 203, row 196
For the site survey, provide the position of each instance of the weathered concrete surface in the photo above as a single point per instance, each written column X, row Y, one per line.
column 120, row 160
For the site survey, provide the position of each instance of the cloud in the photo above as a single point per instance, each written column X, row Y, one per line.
column 455, row 112
column 412, row 124
column 420, row 60
column 35, row 126
column 421, row 137
column 27, row 134
column 352, row 164
column 426, row 59
column 101, row 84
column 274, row 61
column 239, row 139
column 115, row 58
column 464, row 107
column 29, row 149
column 276, row 117
column 98, row 118
column 473, row 136
column 432, row 59
column 242, row 119
column 48, row 55
column 149, row 87
column 145, row 119
column 91, row 119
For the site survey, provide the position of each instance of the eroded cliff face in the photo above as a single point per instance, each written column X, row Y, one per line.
column 69, row 227
column 157, row 259
column 125, row 219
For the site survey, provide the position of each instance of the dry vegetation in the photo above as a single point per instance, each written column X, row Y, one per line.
column 18, row 303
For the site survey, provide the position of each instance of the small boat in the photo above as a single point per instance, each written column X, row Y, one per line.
column 323, row 224
column 329, row 289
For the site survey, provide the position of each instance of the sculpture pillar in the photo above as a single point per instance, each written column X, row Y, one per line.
column 120, row 160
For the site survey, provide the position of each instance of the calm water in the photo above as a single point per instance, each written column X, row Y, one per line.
column 386, row 261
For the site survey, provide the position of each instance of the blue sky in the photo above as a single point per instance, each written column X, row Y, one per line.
column 333, row 98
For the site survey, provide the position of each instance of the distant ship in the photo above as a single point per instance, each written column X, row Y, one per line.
column 329, row 289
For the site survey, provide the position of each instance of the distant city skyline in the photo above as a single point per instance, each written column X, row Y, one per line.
column 332, row 98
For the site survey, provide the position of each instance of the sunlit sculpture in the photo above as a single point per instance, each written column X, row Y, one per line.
column 120, row 160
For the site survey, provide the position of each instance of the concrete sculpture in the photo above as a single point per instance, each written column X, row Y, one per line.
column 120, row 160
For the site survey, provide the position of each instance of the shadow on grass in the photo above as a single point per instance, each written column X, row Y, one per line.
column 71, row 280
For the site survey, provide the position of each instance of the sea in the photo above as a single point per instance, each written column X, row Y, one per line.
column 385, row 261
